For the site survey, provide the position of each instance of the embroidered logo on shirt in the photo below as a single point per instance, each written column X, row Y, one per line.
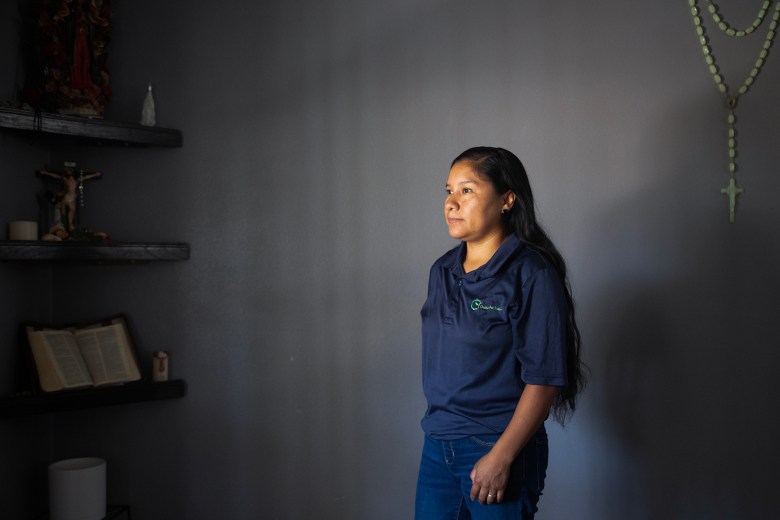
column 477, row 304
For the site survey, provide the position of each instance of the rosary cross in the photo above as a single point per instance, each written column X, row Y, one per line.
column 732, row 191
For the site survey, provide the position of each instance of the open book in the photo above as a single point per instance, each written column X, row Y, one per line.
column 91, row 355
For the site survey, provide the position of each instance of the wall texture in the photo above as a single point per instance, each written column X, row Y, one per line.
column 316, row 142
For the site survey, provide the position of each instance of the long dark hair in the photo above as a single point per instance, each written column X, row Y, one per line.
column 507, row 173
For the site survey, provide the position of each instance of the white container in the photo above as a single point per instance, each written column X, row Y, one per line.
column 77, row 489
column 23, row 230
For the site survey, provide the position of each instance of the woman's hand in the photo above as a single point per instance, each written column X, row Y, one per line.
column 491, row 473
column 489, row 478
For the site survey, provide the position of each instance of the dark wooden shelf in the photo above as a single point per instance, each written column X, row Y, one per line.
column 113, row 512
column 98, row 131
column 109, row 252
column 15, row 406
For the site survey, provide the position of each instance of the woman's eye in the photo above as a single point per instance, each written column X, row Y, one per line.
column 448, row 192
column 467, row 190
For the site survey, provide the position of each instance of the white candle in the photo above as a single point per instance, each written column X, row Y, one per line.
column 77, row 489
column 23, row 230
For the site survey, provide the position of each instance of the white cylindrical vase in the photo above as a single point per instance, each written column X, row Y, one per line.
column 77, row 489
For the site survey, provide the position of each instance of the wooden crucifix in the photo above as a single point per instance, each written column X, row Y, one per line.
column 74, row 190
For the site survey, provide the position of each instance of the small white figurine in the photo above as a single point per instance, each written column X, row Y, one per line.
column 160, row 366
column 147, row 113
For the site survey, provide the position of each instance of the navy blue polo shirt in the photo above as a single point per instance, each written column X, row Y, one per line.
column 488, row 333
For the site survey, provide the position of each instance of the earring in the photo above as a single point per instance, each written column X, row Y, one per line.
column 504, row 211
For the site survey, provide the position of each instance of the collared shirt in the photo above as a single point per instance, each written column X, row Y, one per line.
column 488, row 333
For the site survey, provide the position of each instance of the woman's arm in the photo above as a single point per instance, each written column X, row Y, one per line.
column 491, row 472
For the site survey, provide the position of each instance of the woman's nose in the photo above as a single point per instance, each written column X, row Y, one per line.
column 451, row 201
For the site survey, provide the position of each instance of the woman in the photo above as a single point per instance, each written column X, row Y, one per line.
column 501, row 348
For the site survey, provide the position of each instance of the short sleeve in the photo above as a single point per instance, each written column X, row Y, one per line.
column 540, row 328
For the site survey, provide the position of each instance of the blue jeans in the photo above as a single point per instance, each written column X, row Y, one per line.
column 444, row 482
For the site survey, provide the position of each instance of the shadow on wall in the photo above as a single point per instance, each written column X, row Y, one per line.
column 690, row 357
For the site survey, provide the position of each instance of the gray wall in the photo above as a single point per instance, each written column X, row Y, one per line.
column 317, row 138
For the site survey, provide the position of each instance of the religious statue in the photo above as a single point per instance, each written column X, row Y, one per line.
column 67, row 58
column 66, row 202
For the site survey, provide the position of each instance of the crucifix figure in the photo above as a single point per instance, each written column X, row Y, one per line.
column 74, row 190
column 732, row 191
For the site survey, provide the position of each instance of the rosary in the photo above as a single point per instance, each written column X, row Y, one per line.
column 732, row 191
column 81, row 188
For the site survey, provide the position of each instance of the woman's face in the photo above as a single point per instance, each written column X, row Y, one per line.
column 472, row 207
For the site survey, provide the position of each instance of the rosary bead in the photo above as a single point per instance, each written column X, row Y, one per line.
column 697, row 21
column 710, row 60
column 724, row 26
column 743, row 89
column 732, row 166
column 721, row 86
column 731, row 118
column 732, row 143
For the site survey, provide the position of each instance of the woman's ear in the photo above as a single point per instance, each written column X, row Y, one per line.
column 509, row 201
